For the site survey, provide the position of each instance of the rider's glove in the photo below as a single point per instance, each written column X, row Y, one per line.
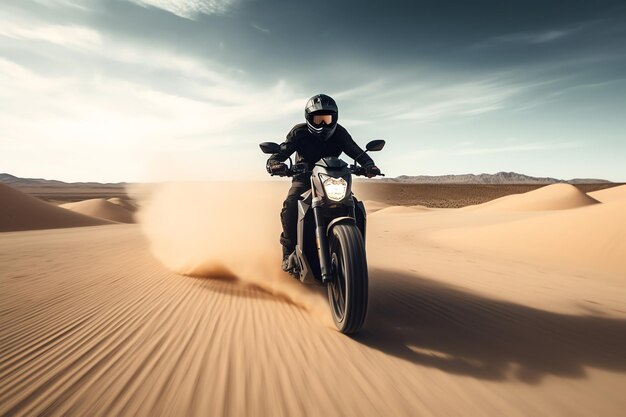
column 371, row 170
column 276, row 168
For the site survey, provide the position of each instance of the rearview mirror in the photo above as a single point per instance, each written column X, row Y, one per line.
column 269, row 147
column 375, row 145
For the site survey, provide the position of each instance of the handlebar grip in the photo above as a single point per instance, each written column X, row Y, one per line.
column 361, row 171
column 287, row 173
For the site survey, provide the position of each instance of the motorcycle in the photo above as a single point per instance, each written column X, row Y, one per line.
column 330, row 249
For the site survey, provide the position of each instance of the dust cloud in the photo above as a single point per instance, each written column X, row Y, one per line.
column 224, row 230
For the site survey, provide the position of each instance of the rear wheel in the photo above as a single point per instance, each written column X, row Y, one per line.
column 347, row 293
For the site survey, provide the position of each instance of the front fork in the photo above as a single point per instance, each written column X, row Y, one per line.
column 320, row 238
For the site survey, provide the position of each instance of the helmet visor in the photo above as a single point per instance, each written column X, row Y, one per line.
column 318, row 119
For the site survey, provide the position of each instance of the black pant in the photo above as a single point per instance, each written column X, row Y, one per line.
column 289, row 215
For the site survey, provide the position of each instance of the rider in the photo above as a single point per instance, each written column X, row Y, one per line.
column 321, row 136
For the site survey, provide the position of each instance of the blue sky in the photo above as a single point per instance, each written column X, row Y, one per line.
column 144, row 90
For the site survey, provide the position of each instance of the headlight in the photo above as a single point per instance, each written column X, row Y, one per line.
column 335, row 188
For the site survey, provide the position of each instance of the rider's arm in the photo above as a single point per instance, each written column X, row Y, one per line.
column 287, row 148
column 350, row 148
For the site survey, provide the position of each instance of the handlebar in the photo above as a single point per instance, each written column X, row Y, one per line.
column 302, row 168
column 360, row 171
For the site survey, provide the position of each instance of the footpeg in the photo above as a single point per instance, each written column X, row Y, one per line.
column 293, row 266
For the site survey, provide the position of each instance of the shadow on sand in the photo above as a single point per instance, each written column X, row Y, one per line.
column 433, row 324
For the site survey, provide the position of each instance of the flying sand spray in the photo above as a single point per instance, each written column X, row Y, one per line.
column 223, row 229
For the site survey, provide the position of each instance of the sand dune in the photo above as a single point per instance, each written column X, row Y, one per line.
column 551, row 197
column 401, row 210
column 19, row 211
column 102, row 208
column 125, row 203
column 610, row 194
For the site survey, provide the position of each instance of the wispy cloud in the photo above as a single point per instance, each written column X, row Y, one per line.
column 260, row 28
column 466, row 148
column 528, row 147
column 538, row 37
column 458, row 100
column 189, row 9
column 68, row 35
column 534, row 37
column 75, row 4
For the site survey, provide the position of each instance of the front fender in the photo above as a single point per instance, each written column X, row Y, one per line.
column 339, row 220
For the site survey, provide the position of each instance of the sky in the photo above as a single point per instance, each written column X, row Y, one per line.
column 152, row 90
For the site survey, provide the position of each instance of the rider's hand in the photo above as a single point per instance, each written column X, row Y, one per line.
column 276, row 168
column 371, row 171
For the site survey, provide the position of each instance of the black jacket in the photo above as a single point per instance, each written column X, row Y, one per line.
column 311, row 148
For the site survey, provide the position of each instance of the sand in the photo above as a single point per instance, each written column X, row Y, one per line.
column 373, row 206
column 125, row 203
column 102, row 208
column 610, row 194
column 19, row 211
column 100, row 321
column 402, row 209
column 448, row 195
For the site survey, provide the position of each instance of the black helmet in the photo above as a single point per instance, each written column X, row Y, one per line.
column 318, row 106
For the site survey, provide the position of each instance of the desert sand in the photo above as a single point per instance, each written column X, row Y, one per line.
column 117, row 210
column 125, row 203
column 187, row 313
column 610, row 194
column 373, row 205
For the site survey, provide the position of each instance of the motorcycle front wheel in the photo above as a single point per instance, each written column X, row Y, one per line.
column 348, row 292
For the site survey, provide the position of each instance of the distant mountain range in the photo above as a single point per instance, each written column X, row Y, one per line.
column 499, row 178
column 18, row 182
